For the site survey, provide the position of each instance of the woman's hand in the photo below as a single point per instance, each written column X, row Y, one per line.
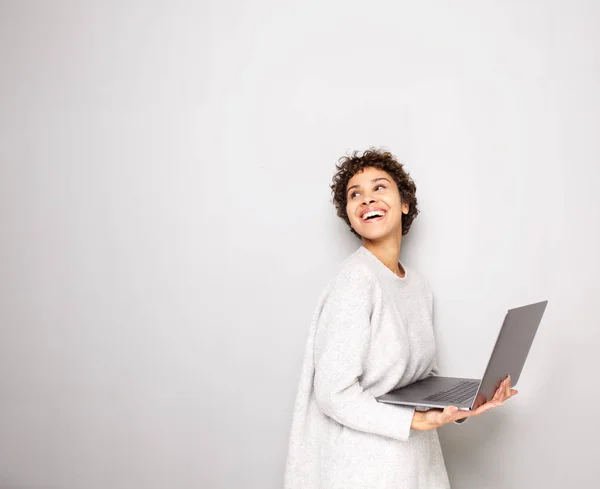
column 434, row 418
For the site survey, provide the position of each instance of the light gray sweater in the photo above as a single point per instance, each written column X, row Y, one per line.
column 371, row 332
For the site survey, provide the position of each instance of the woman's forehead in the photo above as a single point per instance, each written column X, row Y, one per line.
column 368, row 174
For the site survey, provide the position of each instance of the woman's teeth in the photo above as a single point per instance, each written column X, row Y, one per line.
column 373, row 214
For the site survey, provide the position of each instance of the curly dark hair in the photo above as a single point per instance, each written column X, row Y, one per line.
column 351, row 164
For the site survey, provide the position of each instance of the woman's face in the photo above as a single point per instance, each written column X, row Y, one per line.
column 374, row 204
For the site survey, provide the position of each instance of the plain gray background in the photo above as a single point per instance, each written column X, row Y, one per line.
column 166, row 225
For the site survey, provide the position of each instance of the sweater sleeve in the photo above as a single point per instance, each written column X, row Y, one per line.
column 341, row 343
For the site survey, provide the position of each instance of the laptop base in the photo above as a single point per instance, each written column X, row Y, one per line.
column 419, row 394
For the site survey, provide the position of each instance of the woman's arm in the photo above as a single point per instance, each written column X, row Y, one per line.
column 341, row 344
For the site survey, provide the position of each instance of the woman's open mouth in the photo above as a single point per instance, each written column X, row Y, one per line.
column 373, row 216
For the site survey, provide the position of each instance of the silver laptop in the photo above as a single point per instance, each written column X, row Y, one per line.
column 508, row 357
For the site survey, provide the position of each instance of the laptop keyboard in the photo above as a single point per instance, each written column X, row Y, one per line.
column 458, row 394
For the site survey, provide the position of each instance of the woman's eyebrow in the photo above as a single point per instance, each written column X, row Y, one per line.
column 372, row 181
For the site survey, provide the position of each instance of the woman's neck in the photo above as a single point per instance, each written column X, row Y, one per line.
column 387, row 251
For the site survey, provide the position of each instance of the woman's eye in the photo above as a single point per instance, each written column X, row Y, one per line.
column 379, row 186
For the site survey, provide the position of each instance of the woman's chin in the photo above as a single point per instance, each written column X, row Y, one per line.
column 375, row 235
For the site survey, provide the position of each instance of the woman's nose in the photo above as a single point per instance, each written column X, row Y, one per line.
column 367, row 199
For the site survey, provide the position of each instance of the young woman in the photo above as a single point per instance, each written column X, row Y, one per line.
column 371, row 333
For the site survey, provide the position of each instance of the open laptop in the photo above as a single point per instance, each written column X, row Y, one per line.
column 508, row 357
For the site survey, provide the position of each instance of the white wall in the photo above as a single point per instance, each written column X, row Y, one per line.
column 166, row 224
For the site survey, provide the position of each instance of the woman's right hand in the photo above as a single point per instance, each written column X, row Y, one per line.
column 435, row 418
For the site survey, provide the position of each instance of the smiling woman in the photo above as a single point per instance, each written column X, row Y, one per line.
column 374, row 206
column 374, row 171
column 372, row 333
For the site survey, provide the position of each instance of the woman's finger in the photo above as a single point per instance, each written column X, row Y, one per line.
column 496, row 395
column 449, row 412
column 486, row 407
column 499, row 394
column 504, row 390
column 504, row 394
column 508, row 389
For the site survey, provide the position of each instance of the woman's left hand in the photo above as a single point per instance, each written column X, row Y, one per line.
column 502, row 394
column 435, row 418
